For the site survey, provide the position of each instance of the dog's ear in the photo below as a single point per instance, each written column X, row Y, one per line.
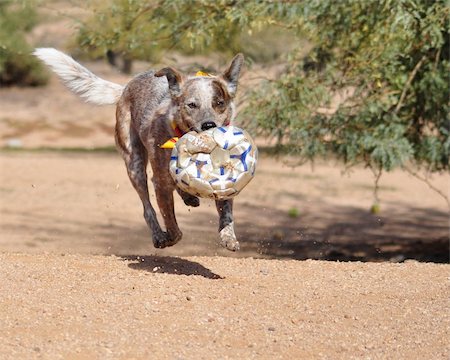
column 231, row 75
column 174, row 79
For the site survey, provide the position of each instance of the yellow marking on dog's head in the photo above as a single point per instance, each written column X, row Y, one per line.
column 202, row 73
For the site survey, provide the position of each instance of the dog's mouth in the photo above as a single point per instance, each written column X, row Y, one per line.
column 208, row 125
column 203, row 127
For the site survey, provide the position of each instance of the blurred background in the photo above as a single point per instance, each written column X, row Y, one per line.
column 348, row 101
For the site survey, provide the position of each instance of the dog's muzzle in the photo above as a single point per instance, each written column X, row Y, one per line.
column 208, row 125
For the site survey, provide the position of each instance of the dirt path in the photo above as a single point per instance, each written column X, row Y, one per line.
column 84, row 203
column 97, row 307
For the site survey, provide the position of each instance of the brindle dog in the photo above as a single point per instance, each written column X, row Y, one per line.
column 152, row 108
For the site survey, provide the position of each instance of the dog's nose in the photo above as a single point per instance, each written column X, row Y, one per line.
column 208, row 125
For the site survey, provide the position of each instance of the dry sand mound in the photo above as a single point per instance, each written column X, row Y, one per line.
column 86, row 307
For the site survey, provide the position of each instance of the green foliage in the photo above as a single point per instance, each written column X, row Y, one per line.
column 143, row 30
column 17, row 67
column 293, row 212
column 120, row 27
column 373, row 89
column 392, row 56
column 375, row 209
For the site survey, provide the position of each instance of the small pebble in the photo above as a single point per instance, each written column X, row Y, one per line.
column 14, row 143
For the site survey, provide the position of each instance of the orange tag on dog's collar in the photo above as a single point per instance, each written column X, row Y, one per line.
column 169, row 144
column 202, row 73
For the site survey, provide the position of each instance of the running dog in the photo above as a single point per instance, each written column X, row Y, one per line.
column 152, row 108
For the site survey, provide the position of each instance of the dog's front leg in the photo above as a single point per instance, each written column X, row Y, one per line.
column 226, row 226
column 164, row 187
column 164, row 197
column 136, row 158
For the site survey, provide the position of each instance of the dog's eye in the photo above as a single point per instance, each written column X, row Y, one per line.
column 192, row 105
column 220, row 102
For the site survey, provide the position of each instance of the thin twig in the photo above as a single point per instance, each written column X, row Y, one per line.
column 377, row 174
column 430, row 185
column 436, row 59
column 260, row 77
column 408, row 83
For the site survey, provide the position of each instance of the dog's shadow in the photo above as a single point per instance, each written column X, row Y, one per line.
column 169, row 265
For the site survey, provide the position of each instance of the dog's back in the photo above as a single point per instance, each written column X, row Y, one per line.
column 145, row 94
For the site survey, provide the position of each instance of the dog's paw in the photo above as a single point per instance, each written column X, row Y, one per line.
column 164, row 239
column 228, row 238
column 192, row 200
column 189, row 200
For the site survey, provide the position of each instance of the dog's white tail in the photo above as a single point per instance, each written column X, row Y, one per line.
column 79, row 79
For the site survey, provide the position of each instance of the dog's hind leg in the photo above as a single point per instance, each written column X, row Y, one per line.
column 226, row 226
column 189, row 200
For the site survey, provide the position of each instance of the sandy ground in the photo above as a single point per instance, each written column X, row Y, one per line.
column 83, row 202
column 79, row 278
column 98, row 307
column 131, row 301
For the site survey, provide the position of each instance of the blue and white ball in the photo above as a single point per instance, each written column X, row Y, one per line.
column 215, row 164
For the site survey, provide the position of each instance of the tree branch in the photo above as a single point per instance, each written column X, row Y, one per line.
column 430, row 185
column 377, row 173
column 408, row 83
column 436, row 59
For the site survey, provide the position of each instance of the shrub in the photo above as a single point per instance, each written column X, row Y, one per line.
column 17, row 67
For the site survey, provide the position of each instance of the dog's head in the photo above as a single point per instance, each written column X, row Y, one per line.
column 204, row 102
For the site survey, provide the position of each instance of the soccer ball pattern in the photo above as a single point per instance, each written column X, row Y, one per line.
column 216, row 164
